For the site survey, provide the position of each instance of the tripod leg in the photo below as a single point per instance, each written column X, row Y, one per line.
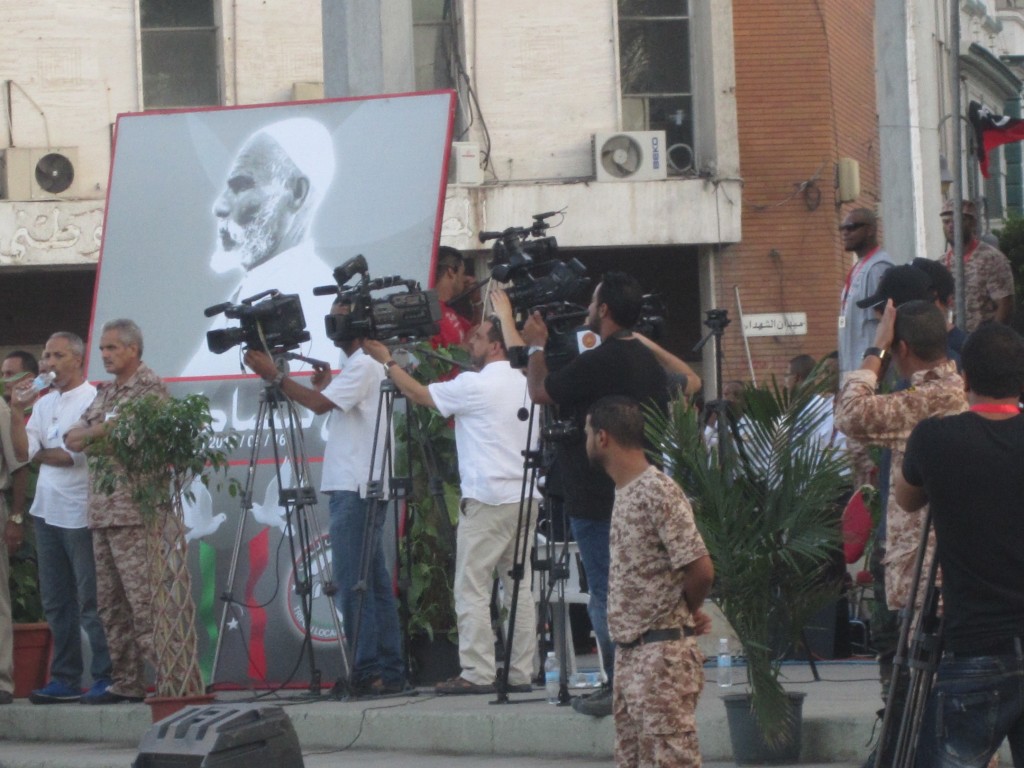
column 246, row 508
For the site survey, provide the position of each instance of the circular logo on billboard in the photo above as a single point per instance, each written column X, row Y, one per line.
column 317, row 562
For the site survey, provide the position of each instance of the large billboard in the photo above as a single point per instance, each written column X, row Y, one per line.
column 213, row 207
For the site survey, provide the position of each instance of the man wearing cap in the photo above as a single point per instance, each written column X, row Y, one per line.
column 942, row 291
column 988, row 277
column 859, row 232
column 914, row 337
column 264, row 220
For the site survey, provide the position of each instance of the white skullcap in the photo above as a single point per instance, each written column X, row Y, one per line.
column 308, row 143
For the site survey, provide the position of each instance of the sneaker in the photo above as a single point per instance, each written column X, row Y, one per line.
column 55, row 692
column 6, row 697
column 597, row 704
column 99, row 688
column 109, row 697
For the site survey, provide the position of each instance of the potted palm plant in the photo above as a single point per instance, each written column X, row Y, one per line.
column 157, row 447
column 765, row 504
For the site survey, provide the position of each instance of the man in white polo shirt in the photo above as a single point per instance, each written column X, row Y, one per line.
column 60, row 513
column 490, row 438
column 351, row 398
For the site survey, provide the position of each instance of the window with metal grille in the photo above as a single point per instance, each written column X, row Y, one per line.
column 655, row 72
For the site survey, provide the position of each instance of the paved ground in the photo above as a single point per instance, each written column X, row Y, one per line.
column 22, row 755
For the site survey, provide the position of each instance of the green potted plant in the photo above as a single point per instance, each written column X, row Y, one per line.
column 767, row 512
column 429, row 548
column 158, row 447
column 33, row 641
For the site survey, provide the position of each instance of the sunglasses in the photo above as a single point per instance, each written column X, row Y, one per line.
column 852, row 227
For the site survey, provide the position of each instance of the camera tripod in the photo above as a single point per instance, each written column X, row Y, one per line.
column 382, row 488
column 302, row 526
column 524, row 528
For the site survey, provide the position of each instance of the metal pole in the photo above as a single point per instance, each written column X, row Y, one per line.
column 958, row 170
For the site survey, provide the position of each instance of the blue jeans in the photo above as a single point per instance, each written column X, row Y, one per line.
column 67, row 582
column 592, row 538
column 975, row 703
column 379, row 653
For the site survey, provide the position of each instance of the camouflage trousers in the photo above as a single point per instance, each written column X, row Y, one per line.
column 124, row 601
column 655, row 701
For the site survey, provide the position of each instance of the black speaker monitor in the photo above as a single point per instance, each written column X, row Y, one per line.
column 221, row 736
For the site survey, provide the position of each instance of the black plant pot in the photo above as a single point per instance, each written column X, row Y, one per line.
column 433, row 661
column 748, row 745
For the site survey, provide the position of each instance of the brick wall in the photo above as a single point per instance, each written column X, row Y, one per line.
column 806, row 97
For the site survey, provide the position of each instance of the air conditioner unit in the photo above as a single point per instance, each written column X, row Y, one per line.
column 630, row 156
column 38, row 173
column 464, row 165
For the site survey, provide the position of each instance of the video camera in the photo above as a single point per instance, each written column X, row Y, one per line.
column 523, row 257
column 413, row 314
column 269, row 320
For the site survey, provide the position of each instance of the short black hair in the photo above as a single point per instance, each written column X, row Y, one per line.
column 993, row 360
column 28, row 360
column 621, row 417
column 623, row 296
column 447, row 257
column 921, row 325
column 942, row 285
column 495, row 333
column 800, row 367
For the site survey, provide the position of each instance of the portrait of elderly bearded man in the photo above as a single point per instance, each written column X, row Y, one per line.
column 265, row 216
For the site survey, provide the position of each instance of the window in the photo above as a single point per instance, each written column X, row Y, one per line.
column 654, row 66
column 431, row 38
column 179, row 54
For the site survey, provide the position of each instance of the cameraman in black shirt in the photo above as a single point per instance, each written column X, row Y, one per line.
column 621, row 365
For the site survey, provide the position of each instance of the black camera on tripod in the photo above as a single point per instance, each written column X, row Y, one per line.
column 524, row 258
column 268, row 320
column 413, row 314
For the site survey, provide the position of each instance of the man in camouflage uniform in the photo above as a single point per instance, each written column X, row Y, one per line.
column 988, row 277
column 123, row 592
column 915, row 338
column 659, row 574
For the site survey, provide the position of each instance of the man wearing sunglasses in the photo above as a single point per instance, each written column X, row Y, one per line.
column 859, row 232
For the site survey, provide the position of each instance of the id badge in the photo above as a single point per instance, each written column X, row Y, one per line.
column 53, row 432
column 842, row 322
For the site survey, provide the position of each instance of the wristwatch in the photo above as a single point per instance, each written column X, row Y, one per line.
column 17, row 519
column 878, row 352
column 279, row 378
column 389, row 365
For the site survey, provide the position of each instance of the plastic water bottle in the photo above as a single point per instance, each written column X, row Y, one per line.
column 724, row 663
column 552, row 675
column 39, row 383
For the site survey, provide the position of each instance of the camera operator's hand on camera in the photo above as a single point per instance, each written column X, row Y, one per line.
column 377, row 351
column 535, row 331
column 502, row 307
column 261, row 364
column 321, row 377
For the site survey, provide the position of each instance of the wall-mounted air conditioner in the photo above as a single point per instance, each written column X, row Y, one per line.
column 38, row 173
column 630, row 156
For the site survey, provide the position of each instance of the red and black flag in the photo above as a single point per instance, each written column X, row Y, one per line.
column 991, row 131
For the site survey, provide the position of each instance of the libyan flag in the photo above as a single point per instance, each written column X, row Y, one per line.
column 991, row 131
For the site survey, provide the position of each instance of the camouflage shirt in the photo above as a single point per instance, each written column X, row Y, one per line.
column 117, row 509
column 988, row 277
column 886, row 421
column 653, row 536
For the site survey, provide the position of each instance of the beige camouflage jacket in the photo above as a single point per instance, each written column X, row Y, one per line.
column 117, row 509
column 886, row 421
column 988, row 277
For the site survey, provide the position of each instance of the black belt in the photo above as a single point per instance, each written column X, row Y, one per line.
column 659, row 636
